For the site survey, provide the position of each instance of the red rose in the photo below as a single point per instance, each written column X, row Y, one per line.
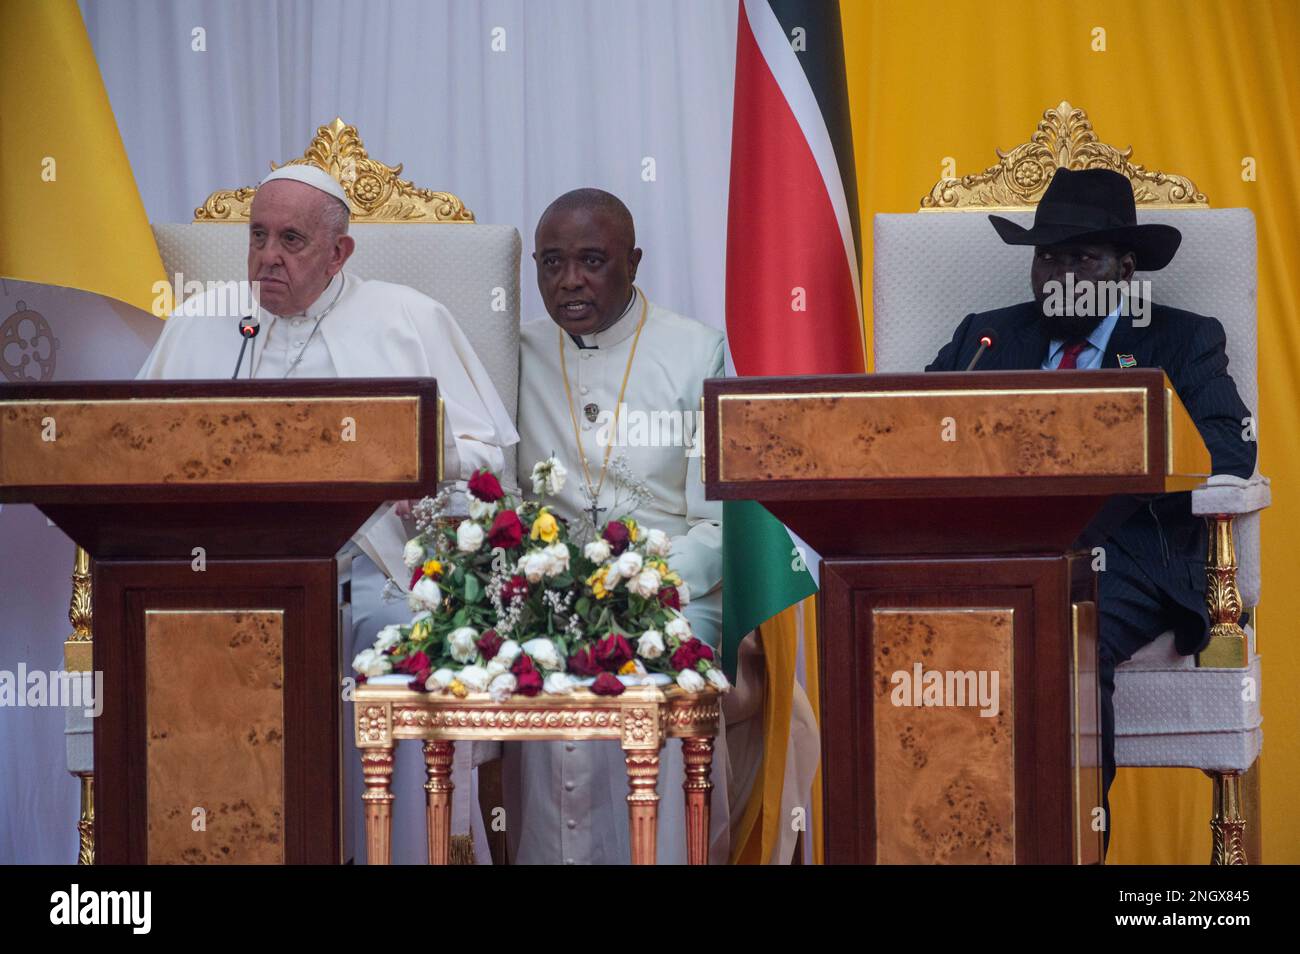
column 528, row 683
column 506, row 530
column 702, row 650
column 584, row 662
column 415, row 577
column 683, row 657
column 523, row 664
column 607, row 684
column 420, row 679
column 617, row 536
column 612, row 652
column 413, row 664
column 515, row 588
column 485, row 487
column 489, row 643
column 668, row 596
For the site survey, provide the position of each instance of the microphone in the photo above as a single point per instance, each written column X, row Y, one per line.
column 248, row 329
column 987, row 341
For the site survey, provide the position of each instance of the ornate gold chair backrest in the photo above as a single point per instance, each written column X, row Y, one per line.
column 1064, row 139
column 376, row 192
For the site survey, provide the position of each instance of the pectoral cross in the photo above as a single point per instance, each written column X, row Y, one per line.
column 594, row 510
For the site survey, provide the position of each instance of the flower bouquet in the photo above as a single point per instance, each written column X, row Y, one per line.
column 507, row 604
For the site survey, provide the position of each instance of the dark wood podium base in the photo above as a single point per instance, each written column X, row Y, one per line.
column 934, row 751
column 219, row 737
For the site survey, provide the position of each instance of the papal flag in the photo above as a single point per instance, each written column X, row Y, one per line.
column 70, row 214
column 793, row 307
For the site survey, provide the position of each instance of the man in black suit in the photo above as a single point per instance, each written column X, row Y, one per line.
column 1154, row 577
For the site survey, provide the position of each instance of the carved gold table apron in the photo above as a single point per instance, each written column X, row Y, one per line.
column 642, row 718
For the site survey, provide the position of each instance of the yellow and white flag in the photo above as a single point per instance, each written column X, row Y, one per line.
column 70, row 213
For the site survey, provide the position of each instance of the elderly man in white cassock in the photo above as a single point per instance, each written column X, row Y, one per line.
column 604, row 386
column 318, row 321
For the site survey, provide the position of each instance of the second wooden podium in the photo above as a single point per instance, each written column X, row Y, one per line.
column 958, row 602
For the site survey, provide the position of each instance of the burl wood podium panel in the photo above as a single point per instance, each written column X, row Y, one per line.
column 213, row 512
column 960, row 714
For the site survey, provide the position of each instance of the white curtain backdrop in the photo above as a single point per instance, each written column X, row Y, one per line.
column 631, row 96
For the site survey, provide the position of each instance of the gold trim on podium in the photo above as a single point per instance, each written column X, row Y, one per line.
column 374, row 190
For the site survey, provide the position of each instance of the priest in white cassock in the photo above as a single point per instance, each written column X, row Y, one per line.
column 318, row 321
column 611, row 386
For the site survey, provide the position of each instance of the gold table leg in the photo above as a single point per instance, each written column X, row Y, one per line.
column 377, row 772
column 438, row 756
column 697, row 753
column 643, row 803
column 86, row 825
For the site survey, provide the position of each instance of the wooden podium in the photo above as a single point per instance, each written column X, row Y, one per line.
column 958, row 611
column 213, row 512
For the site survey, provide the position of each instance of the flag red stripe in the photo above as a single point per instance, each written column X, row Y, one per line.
column 782, row 237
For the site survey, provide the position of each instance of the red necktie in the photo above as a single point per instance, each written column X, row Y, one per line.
column 1070, row 355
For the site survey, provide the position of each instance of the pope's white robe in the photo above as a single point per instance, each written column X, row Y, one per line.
column 566, row 802
column 374, row 330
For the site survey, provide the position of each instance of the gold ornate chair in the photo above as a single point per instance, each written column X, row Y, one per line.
column 931, row 269
column 405, row 234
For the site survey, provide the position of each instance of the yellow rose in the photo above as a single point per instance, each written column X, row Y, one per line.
column 545, row 527
column 634, row 533
column 458, row 689
column 628, row 669
column 433, row 568
column 597, row 583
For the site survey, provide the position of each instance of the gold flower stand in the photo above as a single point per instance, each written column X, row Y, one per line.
column 642, row 719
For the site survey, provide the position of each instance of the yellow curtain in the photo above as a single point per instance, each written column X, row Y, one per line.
column 1196, row 87
column 71, row 212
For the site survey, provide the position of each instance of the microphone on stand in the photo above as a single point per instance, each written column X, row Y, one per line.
column 248, row 329
column 987, row 340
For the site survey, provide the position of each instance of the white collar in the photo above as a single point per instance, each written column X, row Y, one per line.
column 322, row 302
column 622, row 328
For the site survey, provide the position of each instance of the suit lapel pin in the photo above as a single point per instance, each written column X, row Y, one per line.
column 1127, row 361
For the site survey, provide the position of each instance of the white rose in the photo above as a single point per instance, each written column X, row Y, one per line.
column 413, row 553
column 683, row 593
column 496, row 667
column 440, row 679
column 650, row 645
column 548, row 476
column 544, row 653
column 678, row 627
column 718, row 679
column 481, row 509
column 426, row 595
column 690, row 680
column 657, row 543
column 508, row 652
column 597, row 551
column 474, row 678
column 533, row 565
column 501, row 687
column 388, row 637
column 629, row 564
column 645, row 583
column 559, row 555
column 559, row 682
column 469, row 536
column 461, row 643
column 370, row 663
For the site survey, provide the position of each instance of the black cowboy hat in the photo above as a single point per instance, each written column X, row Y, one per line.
column 1093, row 206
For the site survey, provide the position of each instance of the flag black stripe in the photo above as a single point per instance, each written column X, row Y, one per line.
column 823, row 63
